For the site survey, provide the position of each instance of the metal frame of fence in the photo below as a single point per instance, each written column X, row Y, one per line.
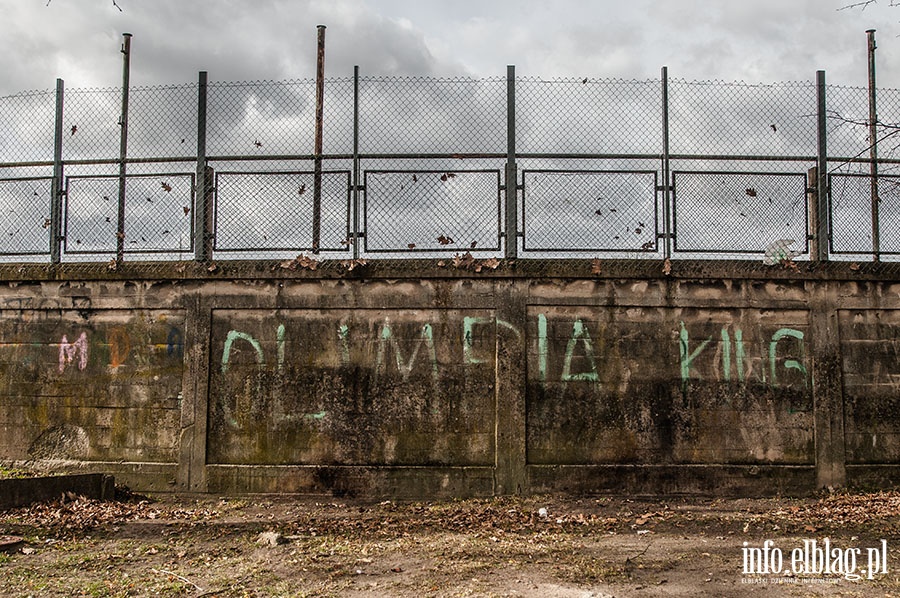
column 512, row 208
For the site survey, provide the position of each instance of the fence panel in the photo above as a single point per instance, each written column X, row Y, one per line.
column 601, row 211
column 272, row 211
column 25, row 216
column 851, row 214
column 432, row 210
column 739, row 212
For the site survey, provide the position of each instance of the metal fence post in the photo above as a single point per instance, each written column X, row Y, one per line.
column 873, row 149
column 201, row 232
column 317, row 174
column 123, row 146
column 666, row 186
column 56, row 189
column 821, row 211
column 354, row 236
column 511, row 213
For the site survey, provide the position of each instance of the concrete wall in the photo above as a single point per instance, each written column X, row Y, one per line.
column 411, row 380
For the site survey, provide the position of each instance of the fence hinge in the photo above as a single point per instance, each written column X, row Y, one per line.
column 664, row 188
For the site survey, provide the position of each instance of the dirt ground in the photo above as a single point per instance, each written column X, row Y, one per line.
column 542, row 546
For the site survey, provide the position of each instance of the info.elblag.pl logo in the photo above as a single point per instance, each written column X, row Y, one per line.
column 812, row 560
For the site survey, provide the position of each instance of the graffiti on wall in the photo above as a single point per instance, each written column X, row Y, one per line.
column 733, row 354
column 576, row 356
column 387, row 344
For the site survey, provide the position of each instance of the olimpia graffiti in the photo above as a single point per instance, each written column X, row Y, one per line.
column 731, row 354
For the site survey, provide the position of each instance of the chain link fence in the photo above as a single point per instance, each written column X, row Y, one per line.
column 436, row 168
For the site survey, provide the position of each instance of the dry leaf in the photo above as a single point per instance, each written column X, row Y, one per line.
column 350, row 265
column 596, row 266
column 492, row 263
column 667, row 267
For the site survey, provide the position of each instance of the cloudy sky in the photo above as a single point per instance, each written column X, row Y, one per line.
column 756, row 41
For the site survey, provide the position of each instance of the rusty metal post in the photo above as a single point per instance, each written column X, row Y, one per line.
column 123, row 146
column 873, row 150
column 56, row 189
column 317, row 151
column 201, row 206
column 820, row 212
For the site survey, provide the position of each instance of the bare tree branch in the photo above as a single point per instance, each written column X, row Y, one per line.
column 865, row 4
column 113, row 2
column 892, row 128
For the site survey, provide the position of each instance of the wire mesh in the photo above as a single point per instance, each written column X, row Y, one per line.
column 258, row 211
column 157, row 213
column 608, row 211
column 889, row 129
column 593, row 116
column 432, row 116
column 26, row 120
column 25, row 216
column 852, row 214
column 261, row 119
column 432, row 210
column 91, row 129
column 717, row 118
column 739, row 212
column 432, row 156
column 162, row 121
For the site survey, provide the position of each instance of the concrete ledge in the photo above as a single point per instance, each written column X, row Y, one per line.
column 143, row 476
column 22, row 492
column 370, row 482
column 873, row 476
column 718, row 480
column 331, row 267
